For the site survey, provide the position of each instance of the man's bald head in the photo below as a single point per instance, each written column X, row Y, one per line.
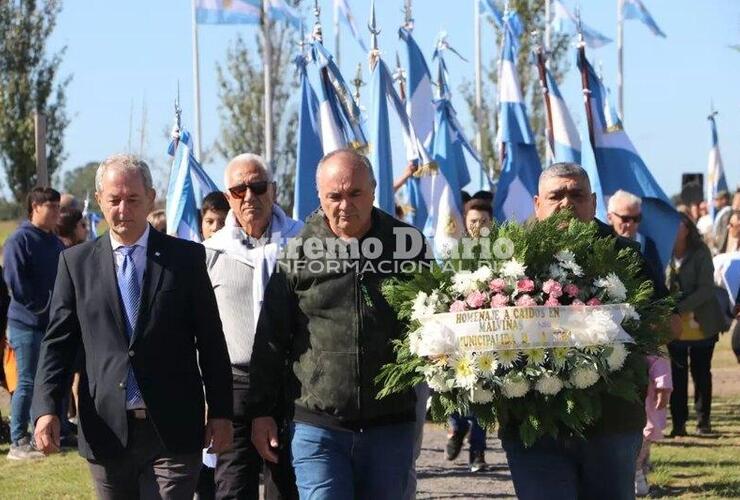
column 348, row 158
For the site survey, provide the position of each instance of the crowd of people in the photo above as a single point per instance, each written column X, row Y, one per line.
column 179, row 368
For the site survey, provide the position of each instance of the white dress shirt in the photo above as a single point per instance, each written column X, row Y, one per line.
column 139, row 255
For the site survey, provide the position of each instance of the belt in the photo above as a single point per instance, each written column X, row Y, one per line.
column 138, row 414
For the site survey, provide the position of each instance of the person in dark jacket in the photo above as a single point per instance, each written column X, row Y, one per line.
column 324, row 313
column 603, row 464
column 31, row 255
column 4, row 303
column 690, row 274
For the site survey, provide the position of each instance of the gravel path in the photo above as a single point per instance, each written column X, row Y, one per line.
column 438, row 478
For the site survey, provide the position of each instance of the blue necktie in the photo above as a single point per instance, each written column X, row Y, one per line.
column 128, row 285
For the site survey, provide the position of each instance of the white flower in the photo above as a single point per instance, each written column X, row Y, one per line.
column 480, row 395
column 424, row 305
column 464, row 282
column 559, row 356
column 465, row 371
column 599, row 329
column 567, row 260
column 614, row 287
column 565, row 256
column 582, row 378
column 535, row 357
column 512, row 269
column 483, row 274
column 435, row 339
column 415, row 341
column 486, row 363
column 508, row 357
column 556, row 272
column 436, row 379
column 549, row 385
column 515, row 386
column 631, row 314
column 616, row 357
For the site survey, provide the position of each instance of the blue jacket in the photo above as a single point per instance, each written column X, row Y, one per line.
column 31, row 256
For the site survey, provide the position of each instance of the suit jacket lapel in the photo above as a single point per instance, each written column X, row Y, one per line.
column 152, row 279
column 109, row 281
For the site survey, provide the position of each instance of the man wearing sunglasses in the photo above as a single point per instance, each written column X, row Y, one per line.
column 240, row 258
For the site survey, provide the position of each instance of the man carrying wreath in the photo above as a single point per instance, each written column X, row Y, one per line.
column 603, row 464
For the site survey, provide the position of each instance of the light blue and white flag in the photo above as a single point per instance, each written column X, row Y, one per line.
column 501, row 19
column 340, row 117
column 278, row 10
column 563, row 21
column 381, row 154
column 566, row 143
column 621, row 167
column 309, row 147
column 181, row 208
column 716, row 180
column 344, row 13
column 228, row 11
column 635, row 9
column 521, row 166
column 91, row 217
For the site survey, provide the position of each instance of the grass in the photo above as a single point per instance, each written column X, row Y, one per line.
column 7, row 227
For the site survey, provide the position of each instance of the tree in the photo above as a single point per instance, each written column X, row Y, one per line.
column 28, row 83
column 532, row 14
column 81, row 183
column 242, row 90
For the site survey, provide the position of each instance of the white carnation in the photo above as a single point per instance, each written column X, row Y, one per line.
column 567, row 260
column 480, row 395
column 582, row 378
column 513, row 269
column 415, row 341
column 613, row 286
column 616, row 357
column 483, row 274
column 435, row 339
column 515, row 387
column 549, row 385
column 464, row 282
column 424, row 305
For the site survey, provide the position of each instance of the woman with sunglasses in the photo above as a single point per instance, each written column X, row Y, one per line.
column 690, row 275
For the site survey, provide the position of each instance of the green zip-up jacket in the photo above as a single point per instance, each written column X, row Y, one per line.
column 326, row 320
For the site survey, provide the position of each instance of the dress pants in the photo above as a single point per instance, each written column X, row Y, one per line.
column 694, row 357
column 147, row 470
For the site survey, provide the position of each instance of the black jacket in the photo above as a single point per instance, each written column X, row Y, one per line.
column 334, row 328
column 178, row 336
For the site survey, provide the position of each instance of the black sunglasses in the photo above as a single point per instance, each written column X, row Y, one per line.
column 240, row 190
column 630, row 218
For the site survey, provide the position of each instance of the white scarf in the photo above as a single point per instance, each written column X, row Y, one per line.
column 232, row 240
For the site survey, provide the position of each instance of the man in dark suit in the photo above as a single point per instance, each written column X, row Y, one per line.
column 140, row 306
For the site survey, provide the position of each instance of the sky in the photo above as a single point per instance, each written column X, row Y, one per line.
column 127, row 59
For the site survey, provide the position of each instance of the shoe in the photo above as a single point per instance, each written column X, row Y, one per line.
column 68, row 441
column 454, row 445
column 678, row 430
column 704, row 430
column 642, row 488
column 24, row 450
column 477, row 461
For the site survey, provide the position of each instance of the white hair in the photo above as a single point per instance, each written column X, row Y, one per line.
column 625, row 197
column 563, row 169
column 250, row 158
column 127, row 163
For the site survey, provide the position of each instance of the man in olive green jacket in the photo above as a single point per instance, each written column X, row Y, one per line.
column 324, row 314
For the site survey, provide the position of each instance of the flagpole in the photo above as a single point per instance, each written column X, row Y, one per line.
column 548, row 36
column 196, row 87
column 336, row 36
column 586, row 89
column 620, row 58
column 548, row 109
column 478, row 86
column 267, row 68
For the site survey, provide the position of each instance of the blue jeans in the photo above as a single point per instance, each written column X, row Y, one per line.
column 477, row 438
column 600, row 467
column 332, row 464
column 26, row 344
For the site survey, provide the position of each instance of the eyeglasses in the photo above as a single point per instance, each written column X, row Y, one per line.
column 629, row 218
column 240, row 190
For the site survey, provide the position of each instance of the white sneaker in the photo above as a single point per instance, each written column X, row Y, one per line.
column 24, row 450
column 642, row 488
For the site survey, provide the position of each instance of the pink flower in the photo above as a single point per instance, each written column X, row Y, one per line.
column 552, row 301
column 571, row 290
column 497, row 285
column 476, row 299
column 577, row 302
column 457, row 306
column 526, row 300
column 593, row 301
column 525, row 285
column 499, row 300
column 552, row 288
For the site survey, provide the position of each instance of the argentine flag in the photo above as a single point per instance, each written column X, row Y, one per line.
column 566, row 145
column 309, row 147
column 716, row 180
column 635, row 9
column 381, row 154
column 228, row 11
column 619, row 166
column 521, row 167
column 563, row 21
column 342, row 10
